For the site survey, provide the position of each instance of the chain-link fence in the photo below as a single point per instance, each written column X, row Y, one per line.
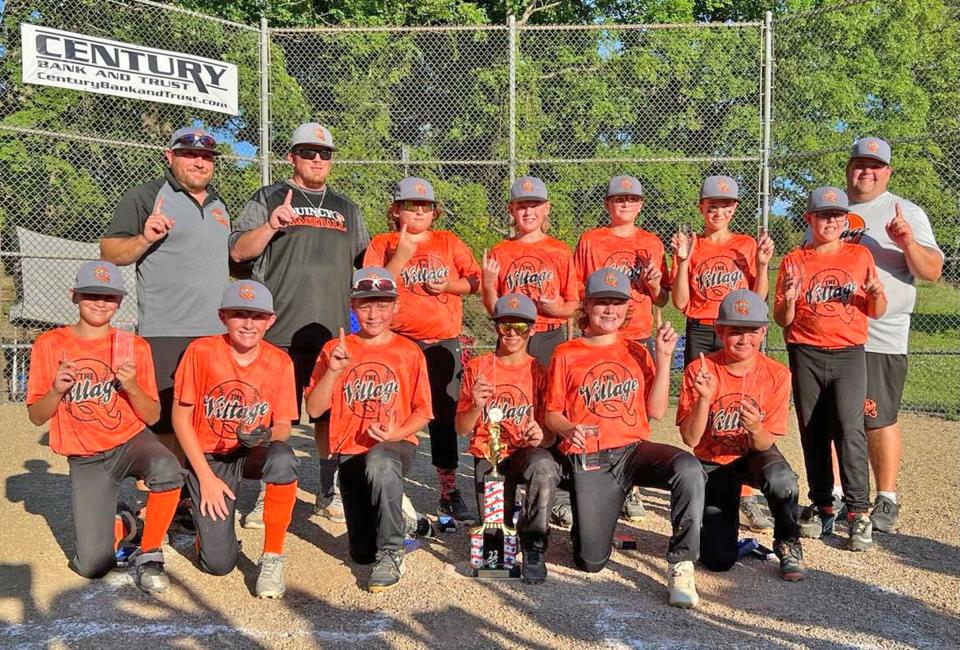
column 471, row 108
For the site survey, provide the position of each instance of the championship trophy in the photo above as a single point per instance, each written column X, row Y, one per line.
column 493, row 544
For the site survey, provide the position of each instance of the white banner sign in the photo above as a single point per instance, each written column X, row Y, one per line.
column 53, row 57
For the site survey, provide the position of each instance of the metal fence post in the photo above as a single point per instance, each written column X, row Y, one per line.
column 512, row 24
column 767, row 117
column 264, row 102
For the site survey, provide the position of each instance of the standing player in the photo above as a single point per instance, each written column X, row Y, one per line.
column 99, row 398
column 512, row 381
column 637, row 253
column 534, row 264
column 733, row 409
column 302, row 233
column 234, row 403
column 899, row 236
column 825, row 292
column 435, row 269
column 600, row 393
column 375, row 385
column 705, row 269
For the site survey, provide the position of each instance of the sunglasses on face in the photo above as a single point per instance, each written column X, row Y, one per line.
column 192, row 139
column 413, row 206
column 519, row 328
column 310, row 154
column 375, row 284
column 831, row 216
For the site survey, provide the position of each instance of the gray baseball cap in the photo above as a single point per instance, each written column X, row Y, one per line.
column 100, row 277
column 314, row 134
column 528, row 188
column 608, row 282
column 871, row 148
column 742, row 307
column 193, row 138
column 515, row 305
column 827, row 198
column 414, row 189
column 373, row 282
column 620, row 185
column 247, row 295
column 719, row 187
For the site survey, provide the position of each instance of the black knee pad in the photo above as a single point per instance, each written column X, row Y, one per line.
column 281, row 465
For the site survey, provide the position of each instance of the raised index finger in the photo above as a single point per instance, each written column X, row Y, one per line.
column 343, row 338
column 289, row 200
column 659, row 319
column 703, row 363
column 158, row 206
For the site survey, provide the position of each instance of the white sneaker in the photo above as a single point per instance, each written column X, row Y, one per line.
column 682, row 585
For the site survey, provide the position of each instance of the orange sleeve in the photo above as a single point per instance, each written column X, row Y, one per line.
column 649, row 370
column 42, row 370
column 751, row 255
column 665, row 277
column 580, row 266
column 186, row 380
column 688, row 394
column 285, row 408
column 463, row 259
column 465, row 403
column 778, row 290
column 376, row 254
column 420, row 402
column 146, row 375
column 556, row 394
column 775, row 420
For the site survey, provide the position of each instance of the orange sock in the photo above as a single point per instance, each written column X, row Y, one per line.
column 161, row 507
column 278, row 505
column 746, row 491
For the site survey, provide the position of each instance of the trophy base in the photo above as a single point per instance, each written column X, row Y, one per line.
column 497, row 574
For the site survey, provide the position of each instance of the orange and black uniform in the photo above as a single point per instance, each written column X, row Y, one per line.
column 105, row 441
column 542, row 269
column 518, row 392
column 724, row 451
column 434, row 322
column 607, row 386
column 825, row 347
column 600, row 248
column 714, row 271
column 226, row 397
column 383, row 381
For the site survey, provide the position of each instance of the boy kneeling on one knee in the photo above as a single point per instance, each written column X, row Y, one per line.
column 733, row 408
column 376, row 387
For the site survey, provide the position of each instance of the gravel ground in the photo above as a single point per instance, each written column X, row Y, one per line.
column 905, row 594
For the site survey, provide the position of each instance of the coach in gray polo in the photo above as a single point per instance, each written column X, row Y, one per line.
column 899, row 235
column 175, row 229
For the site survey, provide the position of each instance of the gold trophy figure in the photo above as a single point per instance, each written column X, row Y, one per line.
column 493, row 544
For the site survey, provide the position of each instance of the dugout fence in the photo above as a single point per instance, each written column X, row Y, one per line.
column 774, row 103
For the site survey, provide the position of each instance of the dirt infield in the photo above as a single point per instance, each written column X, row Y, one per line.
column 903, row 595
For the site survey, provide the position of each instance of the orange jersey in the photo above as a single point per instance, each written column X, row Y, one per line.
column 605, row 386
column 424, row 316
column 544, row 268
column 226, row 395
column 95, row 414
column 517, row 392
column 717, row 269
column 600, row 247
column 766, row 386
column 831, row 310
column 385, row 378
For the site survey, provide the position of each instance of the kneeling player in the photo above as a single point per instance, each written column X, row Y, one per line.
column 733, row 408
column 99, row 393
column 376, row 387
column 233, row 404
column 512, row 381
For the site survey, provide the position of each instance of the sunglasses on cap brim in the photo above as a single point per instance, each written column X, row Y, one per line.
column 310, row 154
column 375, row 284
column 194, row 140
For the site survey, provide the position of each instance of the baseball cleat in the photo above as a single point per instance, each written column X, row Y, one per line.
column 562, row 515
column 815, row 523
column 534, row 568
column 753, row 517
column 254, row 518
column 633, row 509
column 332, row 509
column 149, row 572
column 861, row 532
column 386, row 572
column 270, row 582
column 681, row 581
column 790, row 554
column 456, row 508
